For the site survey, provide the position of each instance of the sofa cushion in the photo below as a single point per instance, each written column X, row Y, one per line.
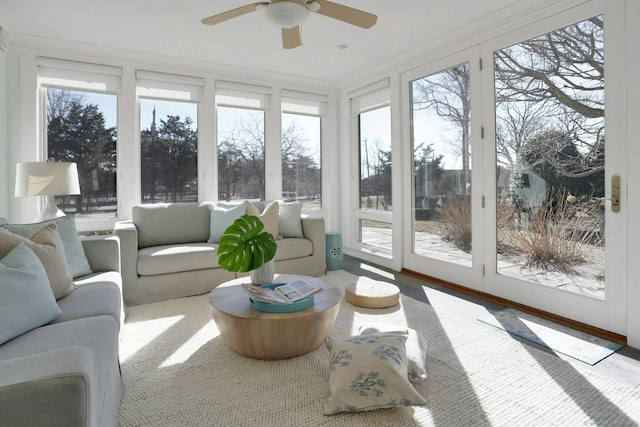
column 73, row 251
column 95, row 295
column 171, row 223
column 98, row 335
column 222, row 216
column 269, row 217
column 290, row 219
column 46, row 244
column 26, row 298
column 176, row 258
column 293, row 248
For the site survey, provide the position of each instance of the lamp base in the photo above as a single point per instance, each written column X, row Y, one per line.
column 50, row 211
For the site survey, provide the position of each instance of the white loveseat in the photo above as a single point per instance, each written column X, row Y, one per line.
column 167, row 250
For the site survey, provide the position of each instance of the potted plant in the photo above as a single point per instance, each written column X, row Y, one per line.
column 244, row 247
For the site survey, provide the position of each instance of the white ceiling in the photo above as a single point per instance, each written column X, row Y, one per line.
column 173, row 28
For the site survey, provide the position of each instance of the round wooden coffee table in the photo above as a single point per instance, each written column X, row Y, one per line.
column 270, row 336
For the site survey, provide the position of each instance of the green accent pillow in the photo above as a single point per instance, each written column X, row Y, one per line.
column 290, row 219
column 369, row 372
column 26, row 299
column 222, row 216
column 77, row 261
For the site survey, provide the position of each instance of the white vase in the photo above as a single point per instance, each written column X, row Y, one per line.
column 263, row 274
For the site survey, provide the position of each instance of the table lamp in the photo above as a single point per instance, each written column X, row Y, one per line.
column 47, row 179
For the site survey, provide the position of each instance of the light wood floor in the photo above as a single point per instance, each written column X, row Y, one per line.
column 623, row 365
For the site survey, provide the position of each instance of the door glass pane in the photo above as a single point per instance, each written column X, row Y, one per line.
column 169, row 151
column 82, row 128
column 375, row 175
column 301, row 171
column 240, row 153
column 441, row 136
column 550, row 141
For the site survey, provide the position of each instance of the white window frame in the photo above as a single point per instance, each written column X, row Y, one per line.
column 56, row 73
column 368, row 98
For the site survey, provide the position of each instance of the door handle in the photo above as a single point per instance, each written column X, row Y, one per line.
column 615, row 193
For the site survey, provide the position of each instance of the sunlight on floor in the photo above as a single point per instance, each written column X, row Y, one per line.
column 200, row 338
column 144, row 337
column 375, row 270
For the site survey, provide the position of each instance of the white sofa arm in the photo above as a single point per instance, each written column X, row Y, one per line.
column 103, row 252
column 128, row 235
column 56, row 385
column 313, row 229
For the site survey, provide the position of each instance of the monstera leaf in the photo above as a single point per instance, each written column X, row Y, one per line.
column 244, row 246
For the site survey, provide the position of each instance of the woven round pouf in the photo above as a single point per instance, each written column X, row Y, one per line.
column 372, row 293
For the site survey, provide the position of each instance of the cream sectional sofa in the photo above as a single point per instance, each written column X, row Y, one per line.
column 166, row 252
column 66, row 372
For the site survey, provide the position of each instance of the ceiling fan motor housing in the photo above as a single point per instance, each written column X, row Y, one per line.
column 285, row 14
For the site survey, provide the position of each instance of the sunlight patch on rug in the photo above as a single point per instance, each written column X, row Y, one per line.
column 189, row 348
column 562, row 339
column 145, row 332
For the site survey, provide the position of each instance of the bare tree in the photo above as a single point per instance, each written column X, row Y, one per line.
column 448, row 93
column 559, row 77
column 247, row 137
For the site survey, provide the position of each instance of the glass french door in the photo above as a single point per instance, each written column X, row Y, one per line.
column 540, row 217
column 445, row 218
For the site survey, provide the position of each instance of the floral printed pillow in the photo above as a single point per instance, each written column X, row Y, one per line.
column 369, row 372
column 416, row 347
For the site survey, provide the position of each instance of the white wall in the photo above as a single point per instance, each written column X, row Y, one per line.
column 4, row 162
column 633, row 181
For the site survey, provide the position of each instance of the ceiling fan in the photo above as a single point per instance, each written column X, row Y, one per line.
column 288, row 14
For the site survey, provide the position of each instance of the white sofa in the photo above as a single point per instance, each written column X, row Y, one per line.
column 166, row 253
column 66, row 372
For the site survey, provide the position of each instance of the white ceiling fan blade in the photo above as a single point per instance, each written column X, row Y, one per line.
column 347, row 14
column 229, row 14
column 291, row 37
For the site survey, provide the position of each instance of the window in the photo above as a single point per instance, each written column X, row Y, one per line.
column 168, row 136
column 241, row 141
column 441, row 136
column 550, row 157
column 372, row 111
column 81, row 127
column 301, row 171
column 301, row 149
column 169, row 151
column 241, row 153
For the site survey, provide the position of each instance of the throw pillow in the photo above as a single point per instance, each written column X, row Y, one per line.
column 26, row 299
column 46, row 244
column 369, row 372
column 290, row 219
column 222, row 216
column 416, row 347
column 269, row 217
column 77, row 261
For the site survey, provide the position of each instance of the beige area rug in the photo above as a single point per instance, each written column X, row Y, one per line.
column 179, row 372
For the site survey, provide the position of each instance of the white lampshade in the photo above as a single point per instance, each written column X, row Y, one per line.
column 47, row 179
column 286, row 14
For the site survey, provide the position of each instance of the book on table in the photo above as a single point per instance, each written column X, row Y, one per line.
column 286, row 293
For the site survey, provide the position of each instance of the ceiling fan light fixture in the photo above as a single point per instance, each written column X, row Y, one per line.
column 286, row 14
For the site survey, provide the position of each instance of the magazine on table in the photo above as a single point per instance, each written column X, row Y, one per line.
column 284, row 294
